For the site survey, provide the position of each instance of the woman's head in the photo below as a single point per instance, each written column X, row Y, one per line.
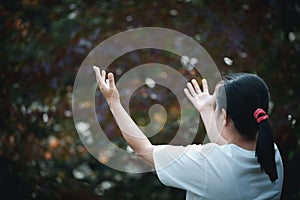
column 243, row 93
column 240, row 96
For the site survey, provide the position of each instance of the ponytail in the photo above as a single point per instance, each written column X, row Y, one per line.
column 246, row 98
column 265, row 146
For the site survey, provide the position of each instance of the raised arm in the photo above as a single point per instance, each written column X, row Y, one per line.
column 130, row 131
column 204, row 103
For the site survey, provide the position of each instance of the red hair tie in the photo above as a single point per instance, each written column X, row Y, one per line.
column 261, row 112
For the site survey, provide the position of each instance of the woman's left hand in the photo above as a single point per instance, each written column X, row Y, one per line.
column 200, row 99
column 107, row 86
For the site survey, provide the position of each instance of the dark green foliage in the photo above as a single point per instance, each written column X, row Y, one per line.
column 43, row 43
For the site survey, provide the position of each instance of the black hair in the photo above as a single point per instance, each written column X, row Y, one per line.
column 240, row 96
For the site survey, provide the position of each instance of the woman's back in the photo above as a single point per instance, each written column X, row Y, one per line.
column 217, row 172
column 236, row 120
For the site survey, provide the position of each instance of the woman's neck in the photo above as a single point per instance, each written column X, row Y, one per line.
column 239, row 140
column 245, row 144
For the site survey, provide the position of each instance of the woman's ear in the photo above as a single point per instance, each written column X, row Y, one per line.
column 225, row 120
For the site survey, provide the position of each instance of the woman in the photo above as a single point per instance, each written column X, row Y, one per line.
column 241, row 162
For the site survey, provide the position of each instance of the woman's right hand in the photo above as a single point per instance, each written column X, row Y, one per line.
column 202, row 100
column 107, row 86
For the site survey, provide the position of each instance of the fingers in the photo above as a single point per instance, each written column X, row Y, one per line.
column 104, row 83
column 97, row 73
column 188, row 94
column 205, row 86
column 111, row 80
column 191, row 89
column 103, row 74
column 196, row 86
column 100, row 77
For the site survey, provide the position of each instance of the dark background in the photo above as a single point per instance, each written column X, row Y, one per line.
column 43, row 43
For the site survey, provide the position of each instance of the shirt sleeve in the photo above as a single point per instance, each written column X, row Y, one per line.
column 181, row 167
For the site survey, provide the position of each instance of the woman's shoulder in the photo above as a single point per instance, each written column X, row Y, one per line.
column 209, row 149
column 227, row 150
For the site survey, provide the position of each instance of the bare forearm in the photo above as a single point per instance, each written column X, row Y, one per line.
column 210, row 125
column 203, row 102
column 131, row 132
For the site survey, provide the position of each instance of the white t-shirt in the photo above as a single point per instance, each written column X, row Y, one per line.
column 216, row 172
